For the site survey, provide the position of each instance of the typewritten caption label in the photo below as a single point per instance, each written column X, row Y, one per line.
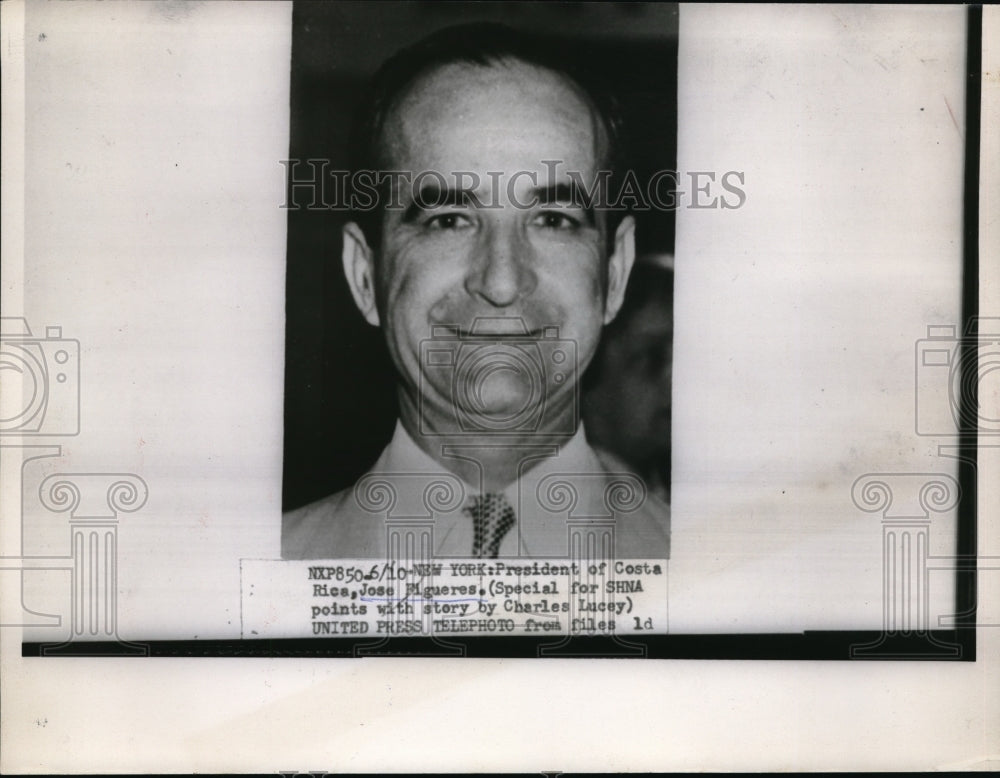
column 352, row 598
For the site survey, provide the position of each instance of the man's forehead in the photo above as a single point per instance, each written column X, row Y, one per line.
column 506, row 116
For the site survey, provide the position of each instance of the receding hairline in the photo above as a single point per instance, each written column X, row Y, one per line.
column 599, row 132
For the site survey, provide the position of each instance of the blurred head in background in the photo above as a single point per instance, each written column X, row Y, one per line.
column 626, row 392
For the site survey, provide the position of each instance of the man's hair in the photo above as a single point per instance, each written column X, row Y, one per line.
column 485, row 44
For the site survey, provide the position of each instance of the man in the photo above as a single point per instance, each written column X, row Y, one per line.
column 490, row 268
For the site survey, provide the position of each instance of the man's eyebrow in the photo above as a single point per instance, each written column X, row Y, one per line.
column 432, row 196
column 565, row 193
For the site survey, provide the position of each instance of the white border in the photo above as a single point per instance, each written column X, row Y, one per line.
column 236, row 715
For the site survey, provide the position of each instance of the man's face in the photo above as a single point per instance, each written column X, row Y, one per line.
column 527, row 250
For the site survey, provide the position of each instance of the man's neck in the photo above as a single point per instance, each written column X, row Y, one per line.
column 485, row 460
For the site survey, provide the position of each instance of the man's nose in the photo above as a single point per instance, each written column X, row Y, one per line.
column 502, row 273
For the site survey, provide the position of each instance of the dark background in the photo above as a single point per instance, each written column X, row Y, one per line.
column 340, row 404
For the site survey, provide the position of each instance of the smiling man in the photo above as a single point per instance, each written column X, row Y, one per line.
column 491, row 260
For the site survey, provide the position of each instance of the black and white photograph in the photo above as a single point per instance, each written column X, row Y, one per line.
column 479, row 373
column 627, row 366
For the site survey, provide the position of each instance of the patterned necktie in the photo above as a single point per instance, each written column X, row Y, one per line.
column 492, row 517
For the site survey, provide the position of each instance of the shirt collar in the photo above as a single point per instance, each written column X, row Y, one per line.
column 404, row 455
column 571, row 479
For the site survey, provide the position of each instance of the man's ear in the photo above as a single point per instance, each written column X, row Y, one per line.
column 619, row 267
column 359, row 268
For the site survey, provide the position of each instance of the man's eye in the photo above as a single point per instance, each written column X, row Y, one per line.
column 556, row 220
column 447, row 221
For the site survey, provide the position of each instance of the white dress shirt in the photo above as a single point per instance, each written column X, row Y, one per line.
column 560, row 491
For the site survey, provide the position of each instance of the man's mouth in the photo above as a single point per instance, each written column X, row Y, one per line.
column 499, row 326
column 493, row 328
